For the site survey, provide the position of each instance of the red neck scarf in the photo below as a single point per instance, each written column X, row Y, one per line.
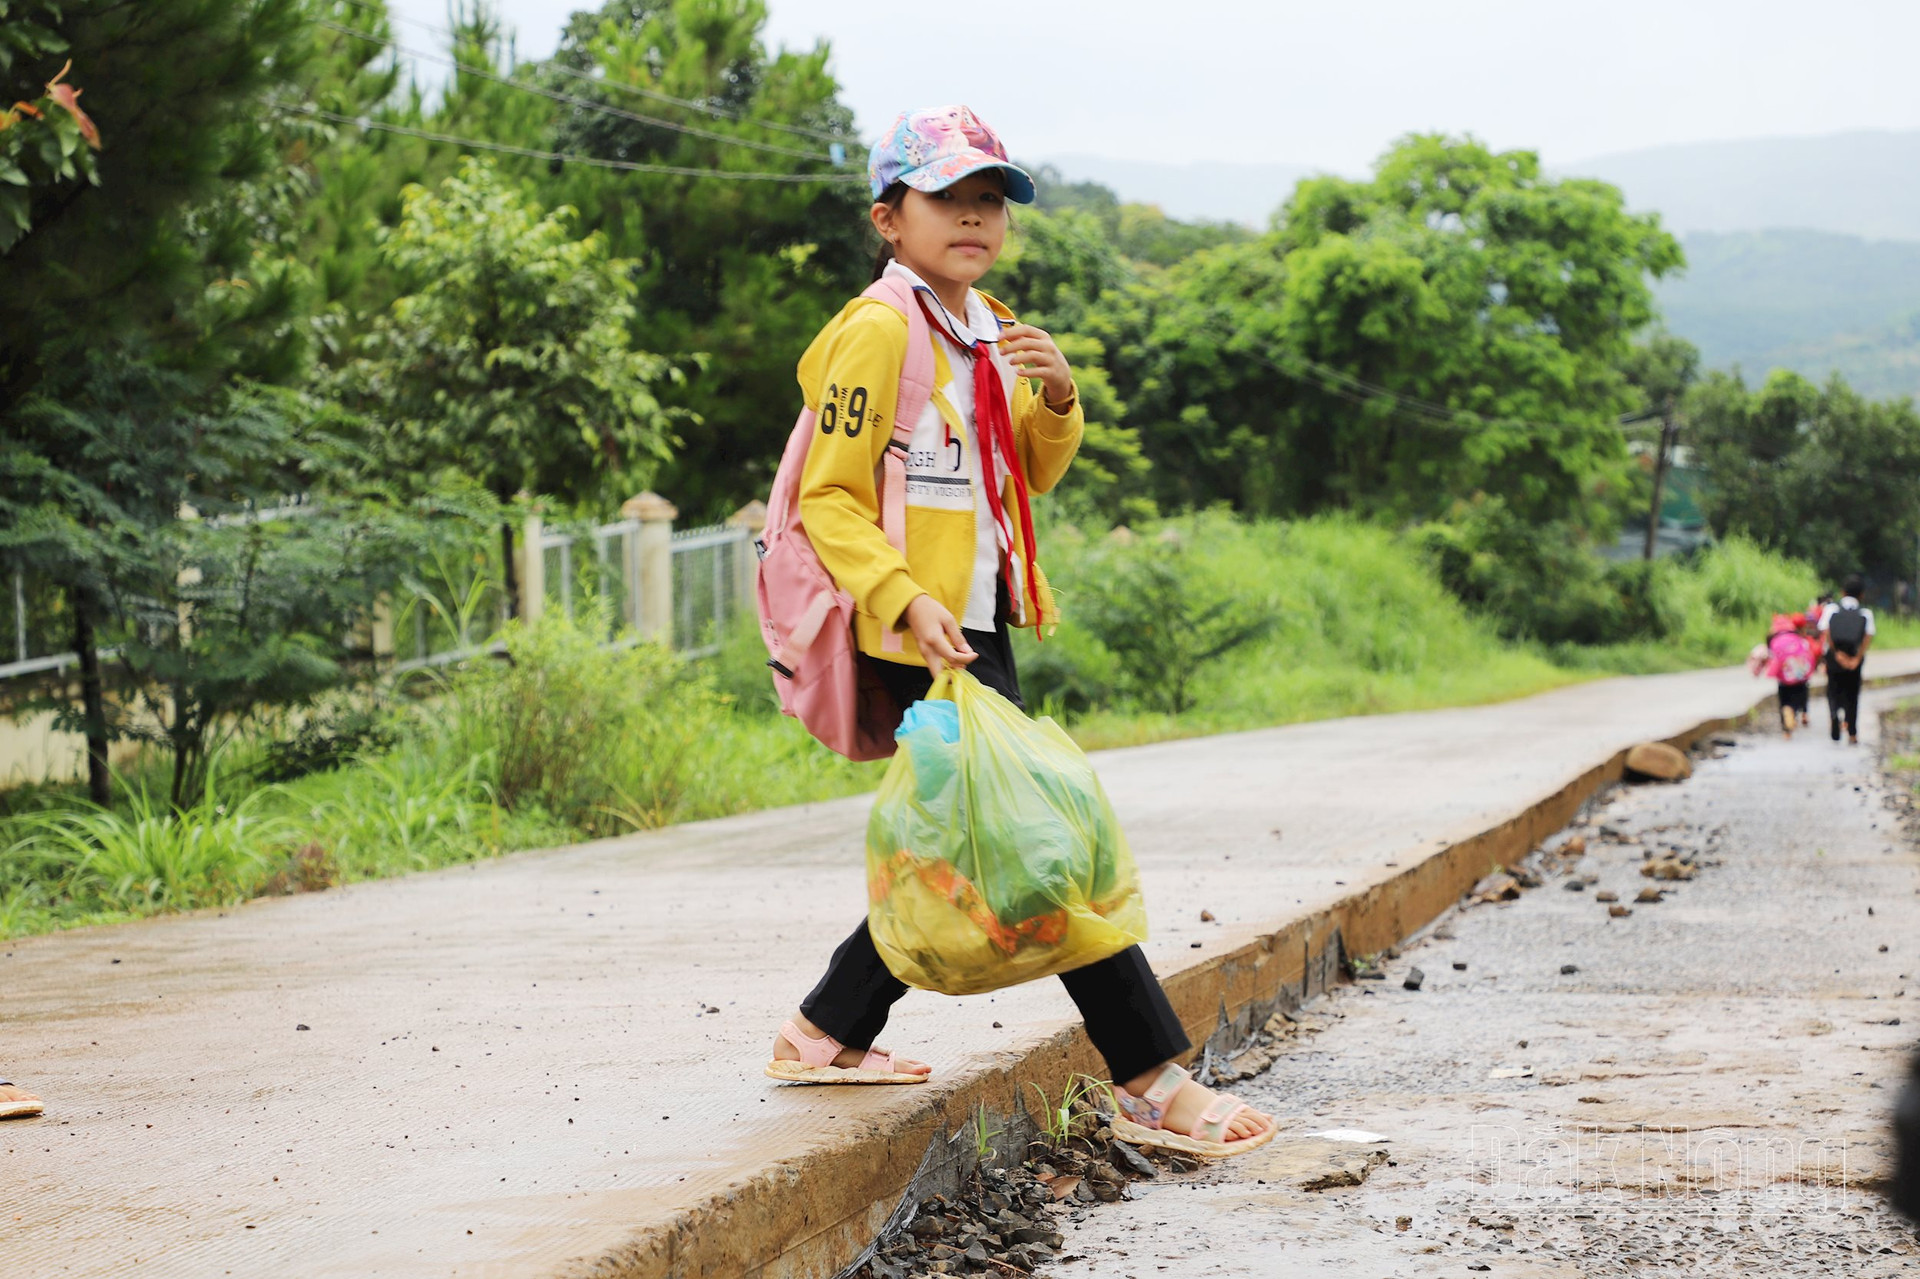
column 993, row 422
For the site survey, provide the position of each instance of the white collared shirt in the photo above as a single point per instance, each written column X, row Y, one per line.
column 1846, row 601
column 943, row 473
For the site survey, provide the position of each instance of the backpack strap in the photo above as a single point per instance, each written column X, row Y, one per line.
column 916, row 389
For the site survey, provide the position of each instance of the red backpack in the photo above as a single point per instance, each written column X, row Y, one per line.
column 805, row 618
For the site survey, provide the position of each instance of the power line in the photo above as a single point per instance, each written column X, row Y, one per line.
column 706, row 108
column 560, row 157
column 587, row 104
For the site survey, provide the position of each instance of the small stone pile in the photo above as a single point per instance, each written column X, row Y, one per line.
column 1003, row 1221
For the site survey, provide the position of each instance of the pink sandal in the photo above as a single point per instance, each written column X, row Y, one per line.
column 1138, row 1122
column 815, row 1065
column 21, row 1104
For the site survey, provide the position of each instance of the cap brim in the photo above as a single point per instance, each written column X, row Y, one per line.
column 943, row 173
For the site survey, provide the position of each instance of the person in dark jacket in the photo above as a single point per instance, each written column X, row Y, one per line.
column 1848, row 631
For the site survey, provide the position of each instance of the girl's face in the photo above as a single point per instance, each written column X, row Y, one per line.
column 953, row 235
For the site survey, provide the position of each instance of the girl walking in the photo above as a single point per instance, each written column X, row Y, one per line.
column 1790, row 662
column 986, row 441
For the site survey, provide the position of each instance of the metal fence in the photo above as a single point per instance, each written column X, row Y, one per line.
column 37, row 638
column 711, row 570
column 459, row 600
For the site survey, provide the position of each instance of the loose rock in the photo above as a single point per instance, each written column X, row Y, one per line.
column 1498, row 887
column 1660, row 762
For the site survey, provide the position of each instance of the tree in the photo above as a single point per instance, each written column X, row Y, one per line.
column 1452, row 326
column 1816, row 472
column 508, row 357
column 744, row 271
column 177, row 87
column 1660, row 370
column 1059, row 272
column 163, row 502
column 47, row 142
column 176, row 93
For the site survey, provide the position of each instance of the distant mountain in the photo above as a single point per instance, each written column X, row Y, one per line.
column 1201, row 192
column 1810, row 301
column 1865, row 184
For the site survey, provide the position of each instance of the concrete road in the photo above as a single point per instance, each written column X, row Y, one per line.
column 1707, row 1093
column 500, row 1069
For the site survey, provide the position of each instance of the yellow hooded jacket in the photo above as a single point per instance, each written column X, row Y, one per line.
column 850, row 377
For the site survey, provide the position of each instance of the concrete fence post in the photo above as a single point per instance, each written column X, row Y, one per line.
column 654, row 551
column 752, row 519
column 533, row 570
column 186, row 578
column 380, row 640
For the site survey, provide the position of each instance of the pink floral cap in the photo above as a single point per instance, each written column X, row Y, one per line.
column 933, row 148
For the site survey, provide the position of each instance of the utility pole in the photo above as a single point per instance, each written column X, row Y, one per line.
column 1669, row 433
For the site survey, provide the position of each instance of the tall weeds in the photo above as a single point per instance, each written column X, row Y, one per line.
column 142, row 857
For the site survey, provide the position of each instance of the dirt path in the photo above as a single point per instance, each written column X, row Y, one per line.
column 1706, row 1080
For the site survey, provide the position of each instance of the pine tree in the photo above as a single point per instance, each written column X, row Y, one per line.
column 159, row 263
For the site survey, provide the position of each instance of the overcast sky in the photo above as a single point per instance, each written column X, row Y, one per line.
column 1331, row 85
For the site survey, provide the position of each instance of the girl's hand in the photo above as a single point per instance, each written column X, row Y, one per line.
column 938, row 634
column 1035, row 354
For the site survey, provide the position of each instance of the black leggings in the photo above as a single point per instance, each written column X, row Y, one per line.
column 1126, row 1012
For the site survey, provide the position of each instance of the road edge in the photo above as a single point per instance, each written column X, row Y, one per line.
column 808, row 1216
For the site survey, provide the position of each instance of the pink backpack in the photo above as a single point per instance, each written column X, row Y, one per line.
column 1792, row 661
column 805, row 618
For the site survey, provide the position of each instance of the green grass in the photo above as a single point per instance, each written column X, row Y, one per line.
column 567, row 741
column 1364, row 628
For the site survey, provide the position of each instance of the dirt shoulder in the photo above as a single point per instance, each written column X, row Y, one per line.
column 1701, row 1084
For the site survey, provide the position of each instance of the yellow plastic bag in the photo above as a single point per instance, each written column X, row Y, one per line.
column 995, row 858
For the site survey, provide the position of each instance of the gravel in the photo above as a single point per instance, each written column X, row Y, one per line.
column 1708, row 1084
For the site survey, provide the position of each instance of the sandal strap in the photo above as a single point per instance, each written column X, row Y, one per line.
column 1212, row 1123
column 1171, row 1079
column 877, row 1060
column 813, row 1051
column 1150, row 1107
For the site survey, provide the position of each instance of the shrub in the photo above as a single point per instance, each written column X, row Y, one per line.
column 333, row 734
column 739, row 670
column 601, row 738
column 1743, row 582
column 1540, row 582
column 1159, row 611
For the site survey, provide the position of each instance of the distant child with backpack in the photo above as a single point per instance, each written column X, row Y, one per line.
column 1848, row 629
column 1790, row 665
column 921, row 516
